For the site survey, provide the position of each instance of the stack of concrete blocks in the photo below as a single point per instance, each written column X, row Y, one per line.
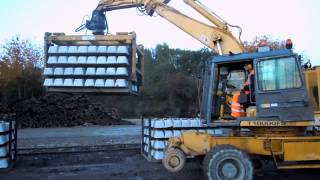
column 87, row 66
column 156, row 133
column 4, row 162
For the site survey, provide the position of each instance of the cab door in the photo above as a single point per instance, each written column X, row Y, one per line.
column 280, row 90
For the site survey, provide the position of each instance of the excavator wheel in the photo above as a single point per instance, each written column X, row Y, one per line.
column 227, row 162
column 174, row 160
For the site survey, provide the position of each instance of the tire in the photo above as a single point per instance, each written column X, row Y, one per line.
column 174, row 160
column 226, row 162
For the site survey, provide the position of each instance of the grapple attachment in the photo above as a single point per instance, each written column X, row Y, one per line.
column 109, row 64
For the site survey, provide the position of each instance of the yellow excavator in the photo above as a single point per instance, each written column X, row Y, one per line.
column 277, row 106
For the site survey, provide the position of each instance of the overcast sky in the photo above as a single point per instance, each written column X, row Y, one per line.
column 295, row 19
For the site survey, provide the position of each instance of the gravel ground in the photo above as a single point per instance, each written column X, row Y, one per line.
column 121, row 164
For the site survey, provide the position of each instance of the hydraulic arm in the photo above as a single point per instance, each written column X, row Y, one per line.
column 217, row 36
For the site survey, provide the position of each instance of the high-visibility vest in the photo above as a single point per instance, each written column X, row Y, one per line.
column 236, row 108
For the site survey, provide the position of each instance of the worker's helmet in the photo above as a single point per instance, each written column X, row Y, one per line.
column 248, row 67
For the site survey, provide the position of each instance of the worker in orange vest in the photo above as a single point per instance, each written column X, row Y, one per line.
column 237, row 109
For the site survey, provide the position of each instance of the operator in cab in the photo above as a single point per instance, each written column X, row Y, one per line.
column 246, row 97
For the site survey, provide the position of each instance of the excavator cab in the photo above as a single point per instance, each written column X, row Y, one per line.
column 279, row 92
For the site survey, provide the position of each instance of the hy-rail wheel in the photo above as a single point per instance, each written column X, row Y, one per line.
column 174, row 160
column 227, row 162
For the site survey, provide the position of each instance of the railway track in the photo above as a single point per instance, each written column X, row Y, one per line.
column 77, row 149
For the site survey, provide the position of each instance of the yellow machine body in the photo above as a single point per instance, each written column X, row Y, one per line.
column 312, row 79
column 283, row 141
column 288, row 149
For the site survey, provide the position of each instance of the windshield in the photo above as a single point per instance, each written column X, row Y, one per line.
column 278, row 73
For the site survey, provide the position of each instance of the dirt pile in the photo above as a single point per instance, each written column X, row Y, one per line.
column 62, row 110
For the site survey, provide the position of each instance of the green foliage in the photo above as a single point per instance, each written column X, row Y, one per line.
column 170, row 86
column 20, row 75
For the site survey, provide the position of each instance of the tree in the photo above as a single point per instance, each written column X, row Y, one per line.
column 252, row 46
column 20, row 72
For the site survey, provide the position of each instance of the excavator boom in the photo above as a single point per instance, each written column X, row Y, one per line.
column 217, row 36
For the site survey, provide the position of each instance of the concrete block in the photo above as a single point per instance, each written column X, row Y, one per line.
column 4, row 126
column 99, row 83
column 158, row 155
column 157, row 123
column 168, row 133
column 62, row 60
column 48, row 82
column 52, row 60
column 53, row 49
column 158, row 144
column 111, row 71
column 101, row 71
column 185, row 123
column 92, row 60
column 73, row 49
column 78, row 71
column 63, row 49
column 102, row 60
column 146, row 131
column 82, row 60
column 82, row 49
column 89, row 83
column 68, row 71
column 58, row 82
column 146, row 140
column 111, row 60
column 176, row 133
column 122, row 60
column 78, row 82
column 102, row 49
column 157, row 134
column 211, row 131
column 177, row 123
column 122, row 71
column 112, row 49
column 58, row 71
column 91, row 71
column 168, row 123
column 123, row 49
column 195, row 123
column 72, row 60
column 146, row 148
column 48, row 71
column 121, row 83
column 146, row 122
column 109, row 83
column 68, row 82
column 92, row 49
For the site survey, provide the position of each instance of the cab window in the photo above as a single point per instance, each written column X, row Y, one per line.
column 278, row 74
column 236, row 79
